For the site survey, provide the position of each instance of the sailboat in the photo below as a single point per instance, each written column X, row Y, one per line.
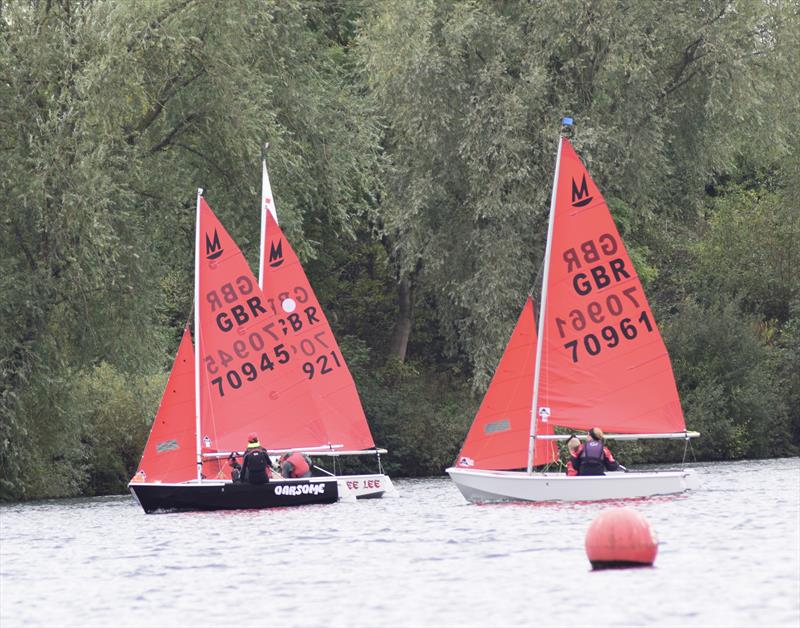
column 320, row 362
column 239, row 375
column 598, row 360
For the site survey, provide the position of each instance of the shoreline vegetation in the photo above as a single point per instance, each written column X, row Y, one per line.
column 411, row 156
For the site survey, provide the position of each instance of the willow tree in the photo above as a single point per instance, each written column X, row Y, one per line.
column 472, row 93
column 113, row 114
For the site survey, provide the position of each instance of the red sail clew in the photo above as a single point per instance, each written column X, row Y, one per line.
column 604, row 363
column 251, row 376
column 170, row 453
column 499, row 436
column 316, row 357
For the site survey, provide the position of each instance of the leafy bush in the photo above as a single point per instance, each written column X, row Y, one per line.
column 114, row 412
column 729, row 381
column 419, row 414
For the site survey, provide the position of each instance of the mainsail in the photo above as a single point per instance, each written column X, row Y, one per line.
column 169, row 455
column 604, row 363
column 498, row 438
column 315, row 353
column 250, row 376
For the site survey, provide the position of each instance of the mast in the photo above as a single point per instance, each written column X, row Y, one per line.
column 543, row 300
column 197, row 339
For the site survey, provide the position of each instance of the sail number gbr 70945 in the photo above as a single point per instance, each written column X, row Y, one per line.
column 249, row 371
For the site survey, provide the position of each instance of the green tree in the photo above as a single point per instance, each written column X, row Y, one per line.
column 466, row 88
column 113, row 113
column 730, row 382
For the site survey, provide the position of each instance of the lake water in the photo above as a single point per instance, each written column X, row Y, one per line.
column 729, row 555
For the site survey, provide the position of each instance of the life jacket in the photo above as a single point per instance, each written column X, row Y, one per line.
column 256, row 466
column 570, row 469
column 591, row 458
column 300, row 466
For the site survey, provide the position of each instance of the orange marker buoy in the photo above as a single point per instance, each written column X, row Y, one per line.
column 620, row 537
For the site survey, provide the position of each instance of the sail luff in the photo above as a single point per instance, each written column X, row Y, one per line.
column 197, row 338
column 543, row 308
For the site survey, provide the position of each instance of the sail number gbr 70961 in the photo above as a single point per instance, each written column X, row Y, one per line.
column 608, row 310
column 610, row 337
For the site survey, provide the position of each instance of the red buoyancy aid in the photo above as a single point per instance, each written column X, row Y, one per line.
column 299, row 463
column 571, row 472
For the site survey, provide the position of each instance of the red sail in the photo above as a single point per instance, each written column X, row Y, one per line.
column 500, row 434
column 251, row 377
column 170, row 452
column 315, row 353
column 604, row 363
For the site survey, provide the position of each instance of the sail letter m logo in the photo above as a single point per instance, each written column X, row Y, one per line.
column 276, row 254
column 580, row 195
column 213, row 248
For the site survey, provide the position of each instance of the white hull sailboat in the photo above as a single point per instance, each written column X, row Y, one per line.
column 335, row 397
column 597, row 361
column 368, row 486
column 492, row 486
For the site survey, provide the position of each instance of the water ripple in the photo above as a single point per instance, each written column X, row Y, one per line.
column 729, row 555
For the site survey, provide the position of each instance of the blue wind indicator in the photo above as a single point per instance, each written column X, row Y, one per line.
column 566, row 121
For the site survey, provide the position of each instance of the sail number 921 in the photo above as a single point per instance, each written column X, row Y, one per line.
column 610, row 337
column 323, row 365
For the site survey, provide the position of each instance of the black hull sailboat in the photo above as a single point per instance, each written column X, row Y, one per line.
column 233, row 381
column 222, row 495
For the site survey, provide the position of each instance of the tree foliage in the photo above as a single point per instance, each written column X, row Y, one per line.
column 472, row 93
column 411, row 154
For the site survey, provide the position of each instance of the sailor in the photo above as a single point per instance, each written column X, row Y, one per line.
column 255, row 468
column 295, row 465
column 593, row 457
column 573, row 443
